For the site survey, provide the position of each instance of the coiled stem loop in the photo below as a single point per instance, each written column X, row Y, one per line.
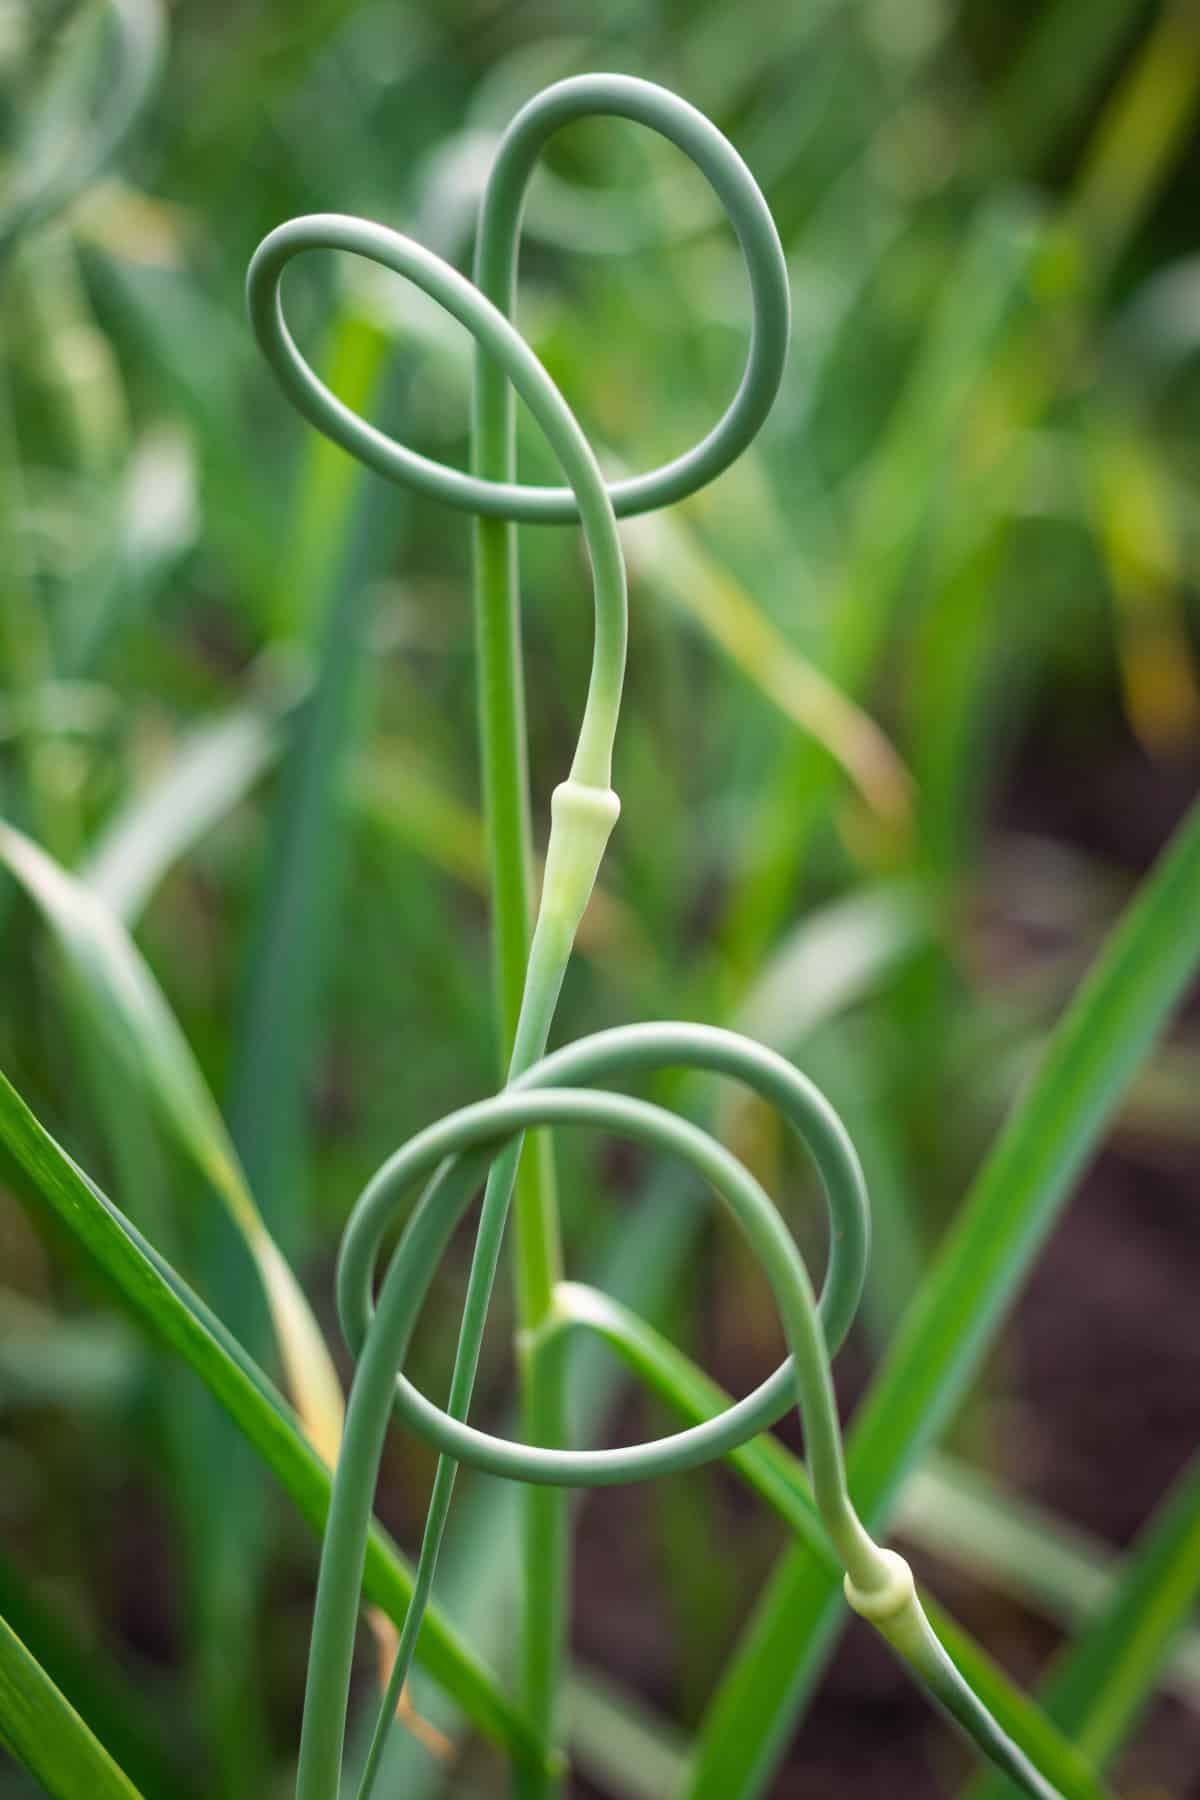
column 482, row 1142
column 554, row 1092
column 496, row 274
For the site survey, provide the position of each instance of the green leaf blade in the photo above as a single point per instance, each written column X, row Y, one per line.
column 1142, row 973
column 43, row 1730
column 162, row 1302
column 1100, row 1685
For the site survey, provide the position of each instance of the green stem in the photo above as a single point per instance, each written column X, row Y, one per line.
column 546, row 969
column 447, row 1156
column 583, row 816
column 539, row 1251
column 781, row 1481
column 581, row 820
column 502, row 730
column 500, row 691
column 584, row 812
column 25, row 648
column 547, row 965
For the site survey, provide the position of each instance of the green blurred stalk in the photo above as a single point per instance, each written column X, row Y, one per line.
column 1066, row 54
column 1141, row 131
column 318, row 607
column 341, row 523
column 25, row 645
column 904, row 475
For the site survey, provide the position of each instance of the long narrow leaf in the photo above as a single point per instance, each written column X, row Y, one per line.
column 48, row 1178
column 1099, row 1686
column 904, row 474
column 1142, row 974
column 128, row 1721
column 779, row 1478
column 968, row 1520
column 42, row 1728
column 132, row 1020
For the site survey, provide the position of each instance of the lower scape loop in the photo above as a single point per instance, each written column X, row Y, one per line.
column 453, row 1154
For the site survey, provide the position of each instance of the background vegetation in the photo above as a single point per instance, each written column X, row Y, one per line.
column 913, row 702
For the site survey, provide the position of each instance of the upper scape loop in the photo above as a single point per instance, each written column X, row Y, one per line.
column 495, row 275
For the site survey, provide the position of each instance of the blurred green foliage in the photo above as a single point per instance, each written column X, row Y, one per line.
column 913, row 695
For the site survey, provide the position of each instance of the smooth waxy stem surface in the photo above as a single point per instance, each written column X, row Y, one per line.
column 446, row 1163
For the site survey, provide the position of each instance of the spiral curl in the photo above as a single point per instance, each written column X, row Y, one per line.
column 453, row 1156
column 450, row 1159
